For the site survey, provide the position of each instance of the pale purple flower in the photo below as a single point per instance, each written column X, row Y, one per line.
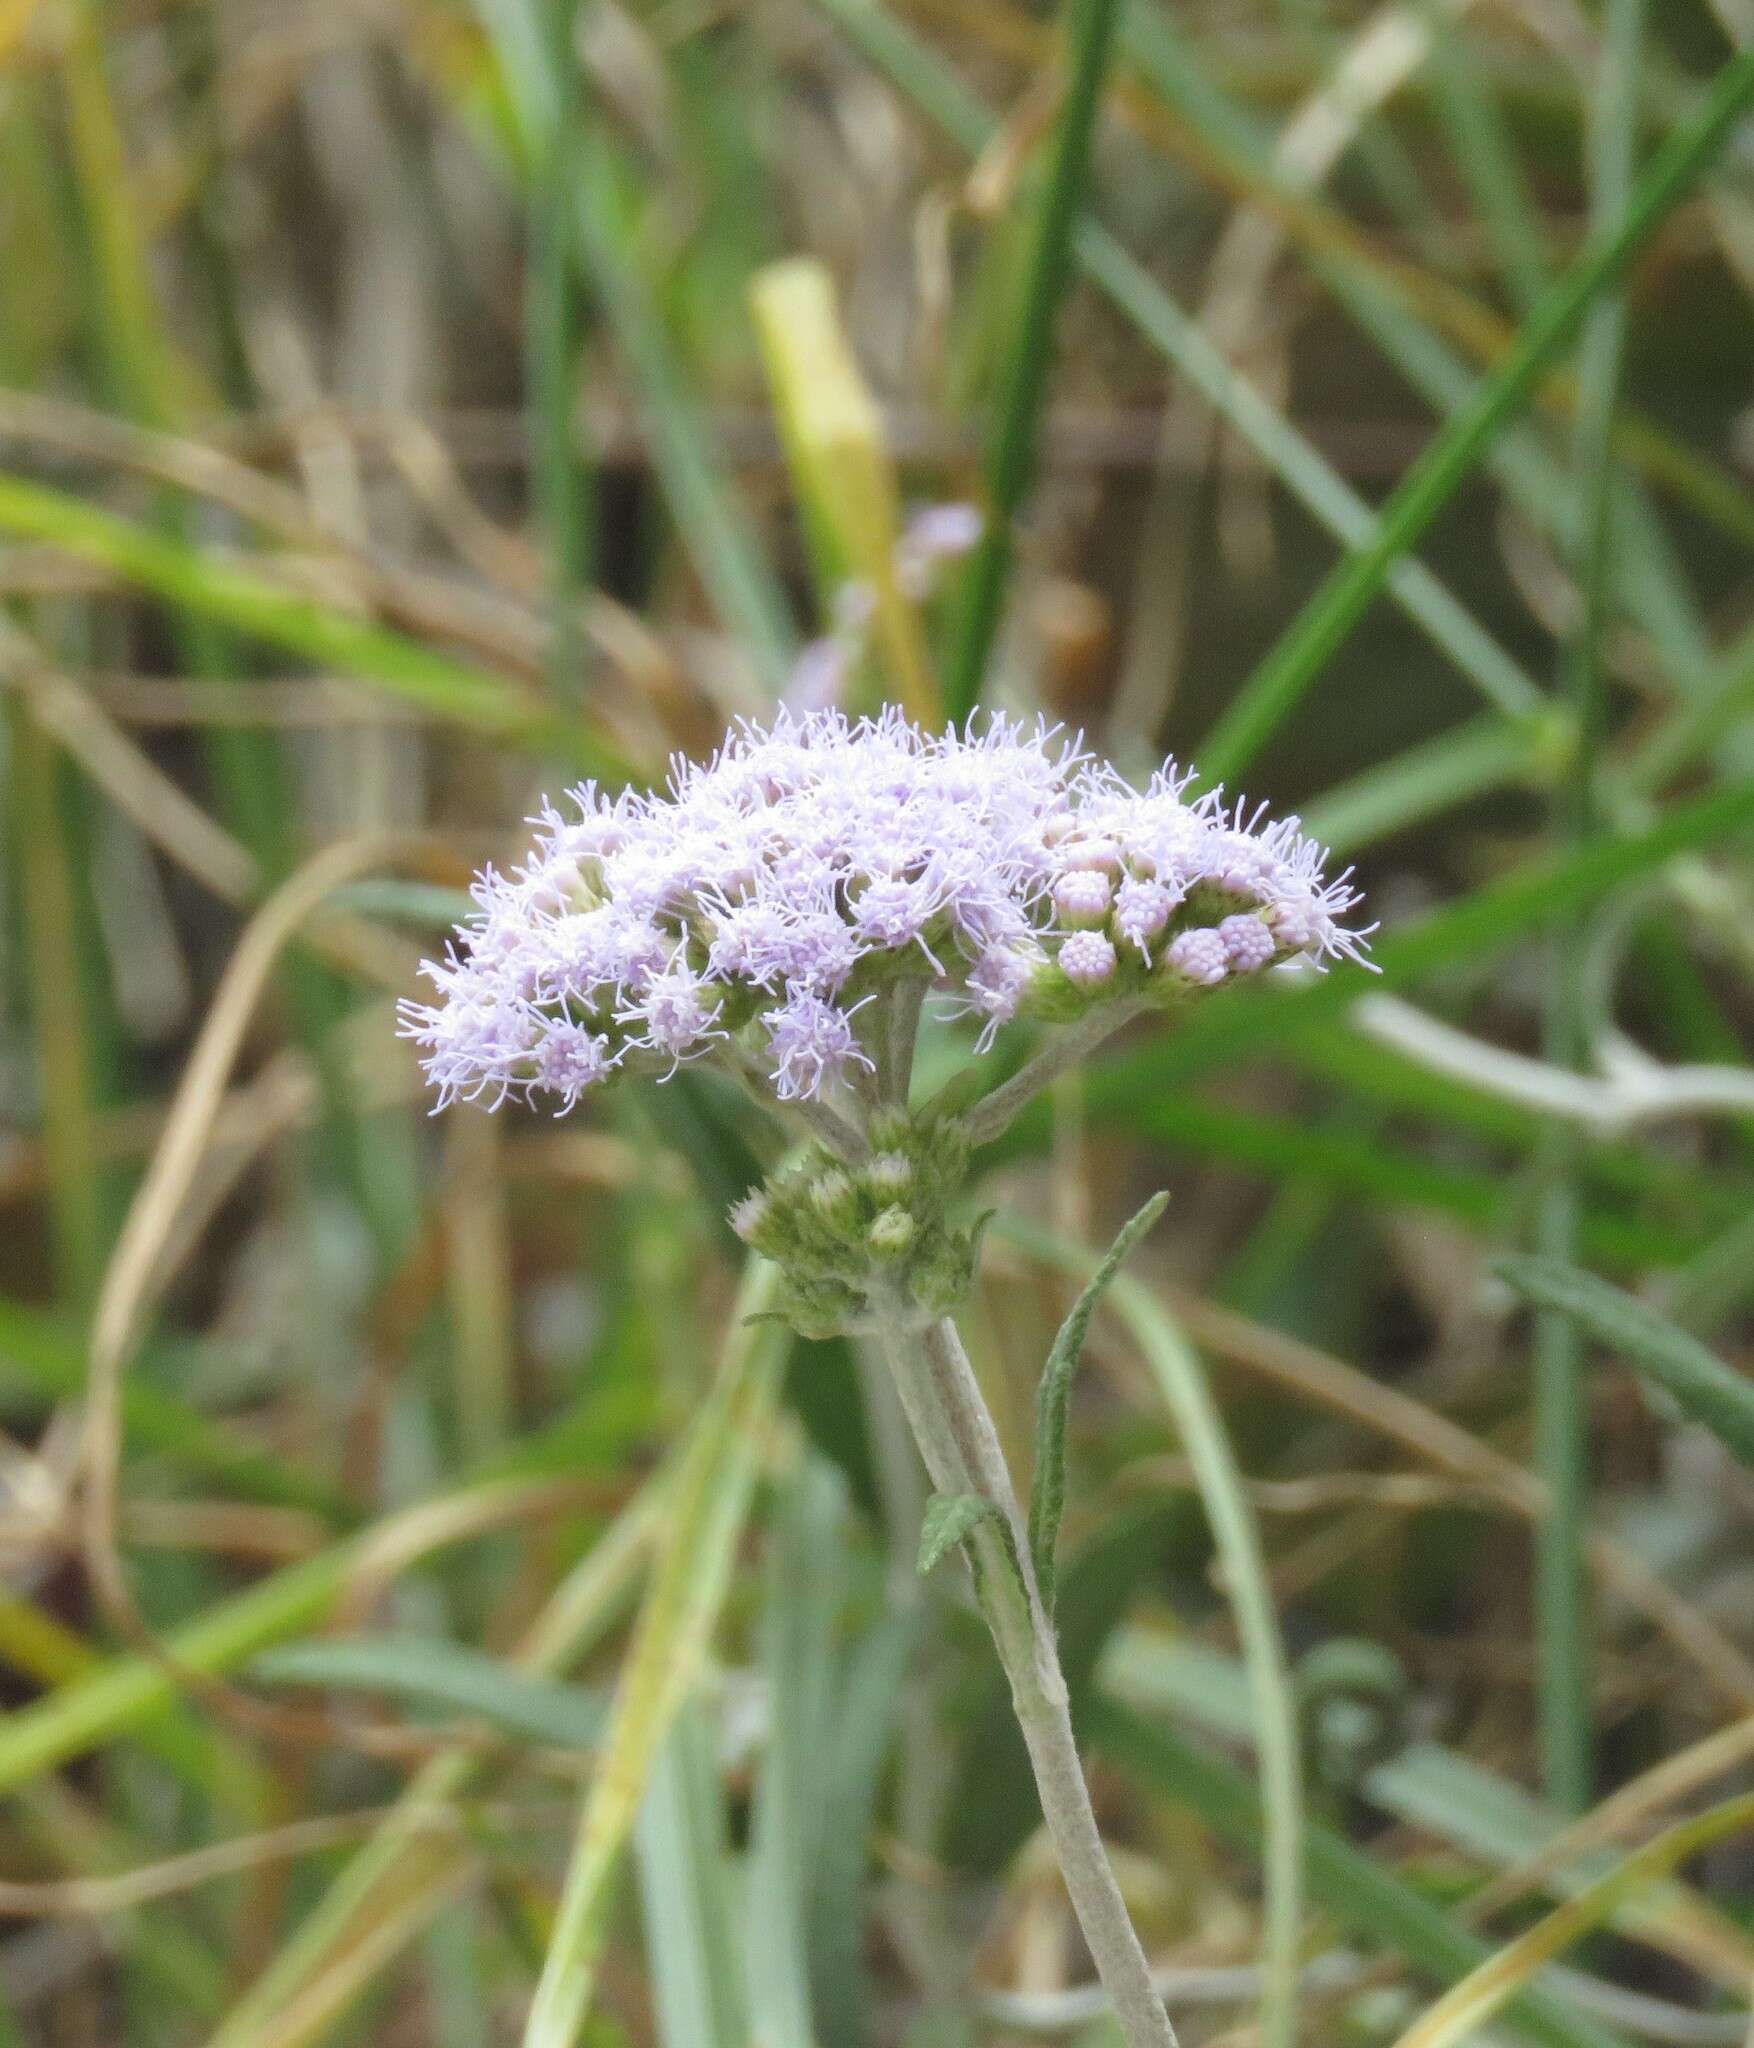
column 768, row 893
column 813, row 1045
column 1142, row 908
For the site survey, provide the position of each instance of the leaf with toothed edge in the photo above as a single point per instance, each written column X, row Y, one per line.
column 1048, row 1497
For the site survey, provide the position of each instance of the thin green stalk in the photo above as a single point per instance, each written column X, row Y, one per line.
column 1281, row 680
column 1011, row 448
column 1182, row 1382
column 1485, row 154
column 208, row 585
column 552, row 327
column 58, row 978
column 690, row 1576
column 1305, row 473
column 1561, row 1407
column 963, row 1457
column 1655, row 591
column 1412, row 787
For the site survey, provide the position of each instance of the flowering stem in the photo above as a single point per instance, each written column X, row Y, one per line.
column 994, row 1114
column 961, row 1449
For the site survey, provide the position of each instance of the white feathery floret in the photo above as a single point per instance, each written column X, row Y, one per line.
column 769, row 892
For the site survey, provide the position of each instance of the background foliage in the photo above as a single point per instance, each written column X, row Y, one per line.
column 402, row 416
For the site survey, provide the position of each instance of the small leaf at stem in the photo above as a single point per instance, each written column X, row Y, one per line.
column 1698, row 1380
column 1048, row 1498
column 948, row 1520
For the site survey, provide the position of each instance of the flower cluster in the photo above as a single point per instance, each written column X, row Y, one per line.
column 860, row 1244
column 758, row 906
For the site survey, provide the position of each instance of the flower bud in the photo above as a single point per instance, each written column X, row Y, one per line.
column 889, row 1177
column 1087, row 959
column 891, row 1236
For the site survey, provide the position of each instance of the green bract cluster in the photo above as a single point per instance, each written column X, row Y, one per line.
column 859, row 1244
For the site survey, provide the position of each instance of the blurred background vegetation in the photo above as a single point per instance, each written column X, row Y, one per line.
column 391, row 434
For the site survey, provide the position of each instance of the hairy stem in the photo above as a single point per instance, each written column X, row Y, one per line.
column 961, row 1449
column 993, row 1115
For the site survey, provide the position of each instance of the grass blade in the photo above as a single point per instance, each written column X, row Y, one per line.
column 1571, row 1022
column 685, row 1877
column 1465, row 2009
column 1010, row 457
column 1276, row 686
column 430, row 1674
column 689, row 1579
column 1357, row 1889
column 1701, row 1384
column 208, row 586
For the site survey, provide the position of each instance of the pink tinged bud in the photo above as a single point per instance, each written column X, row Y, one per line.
column 1087, row 959
column 1248, row 944
column 1294, row 926
column 1083, row 897
column 1198, row 957
column 1142, row 909
column 1093, row 854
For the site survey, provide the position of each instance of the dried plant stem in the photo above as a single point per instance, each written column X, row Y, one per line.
column 961, row 1449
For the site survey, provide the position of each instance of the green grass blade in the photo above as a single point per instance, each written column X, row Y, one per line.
column 1280, row 681
column 1010, row 456
column 1701, row 1384
column 431, row 1675
column 935, row 90
column 1358, row 1890
column 1571, row 1023
column 208, row 586
column 687, row 1894
column 1468, row 2006
column 805, row 1591
column 1181, row 1380
column 689, row 1580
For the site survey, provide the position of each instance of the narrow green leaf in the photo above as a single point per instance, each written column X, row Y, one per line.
column 805, row 1591
column 690, row 1577
column 948, row 1520
column 1323, row 627
column 1048, row 1496
column 870, row 1688
column 429, row 1673
column 1010, row 461
column 1465, row 2009
column 1699, row 1381
column 207, row 586
column 1362, row 1893
column 687, row 1894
